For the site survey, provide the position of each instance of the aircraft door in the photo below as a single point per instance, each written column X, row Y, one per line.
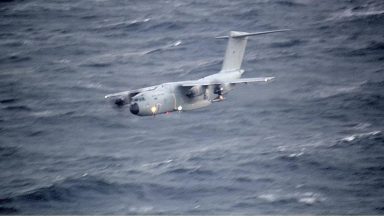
column 168, row 103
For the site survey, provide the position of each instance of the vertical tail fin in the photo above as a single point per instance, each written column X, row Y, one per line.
column 235, row 52
column 236, row 47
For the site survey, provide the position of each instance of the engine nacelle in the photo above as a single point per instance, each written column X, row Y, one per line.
column 218, row 90
column 222, row 89
column 119, row 102
column 195, row 91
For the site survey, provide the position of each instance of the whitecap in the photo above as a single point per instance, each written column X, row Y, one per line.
column 333, row 91
column 349, row 138
column 268, row 197
column 294, row 155
column 177, row 43
column 90, row 85
column 62, row 61
column 362, row 126
column 309, row 198
column 359, row 136
column 157, row 165
column 141, row 209
column 45, row 113
column 281, row 148
column 350, row 13
column 123, row 23
column 165, row 47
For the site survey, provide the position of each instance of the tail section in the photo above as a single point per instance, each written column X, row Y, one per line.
column 235, row 52
column 236, row 47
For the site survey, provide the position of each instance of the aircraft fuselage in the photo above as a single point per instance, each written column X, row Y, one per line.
column 167, row 97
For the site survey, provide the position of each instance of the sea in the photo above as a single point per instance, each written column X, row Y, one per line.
column 309, row 142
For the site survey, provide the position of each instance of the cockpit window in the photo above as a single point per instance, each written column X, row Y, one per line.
column 139, row 99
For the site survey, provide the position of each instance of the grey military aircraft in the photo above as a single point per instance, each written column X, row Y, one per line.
column 194, row 94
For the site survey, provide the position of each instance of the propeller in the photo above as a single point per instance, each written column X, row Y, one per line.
column 195, row 91
column 219, row 91
column 119, row 102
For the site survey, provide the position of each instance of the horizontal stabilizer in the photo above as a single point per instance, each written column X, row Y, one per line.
column 236, row 34
column 248, row 80
column 237, row 81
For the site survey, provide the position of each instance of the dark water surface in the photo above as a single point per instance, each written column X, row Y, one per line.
column 309, row 142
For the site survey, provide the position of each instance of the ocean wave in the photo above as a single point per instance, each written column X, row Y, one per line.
column 8, row 100
column 8, row 210
column 51, row 114
column 288, row 43
column 294, row 3
column 108, row 59
column 249, row 14
column 278, row 197
column 166, row 25
column 15, row 58
column 193, row 171
column 247, row 179
column 140, row 197
column 358, row 97
column 122, row 25
column 364, row 141
column 7, row 151
column 308, row 198
column 71, row 189
column 45, row 113
column 355, row 13
column 103, row 159
column 124, row 57
column 18, row 108
column 304, row 160
column 176, row 167
column 157, row 165
column 293, row 155
column 376, row 85
column 368, row 135
column 331, row 91
column 163, row 48
column 373, row 48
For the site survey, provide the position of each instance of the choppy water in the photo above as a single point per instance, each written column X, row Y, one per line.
column 309, row 142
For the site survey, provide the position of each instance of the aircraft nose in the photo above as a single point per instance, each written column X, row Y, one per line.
column 134, row 108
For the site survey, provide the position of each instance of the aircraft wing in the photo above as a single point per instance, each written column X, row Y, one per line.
column 241, row 80
column 129, row 93
column 119, row 94
column 248, row 80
